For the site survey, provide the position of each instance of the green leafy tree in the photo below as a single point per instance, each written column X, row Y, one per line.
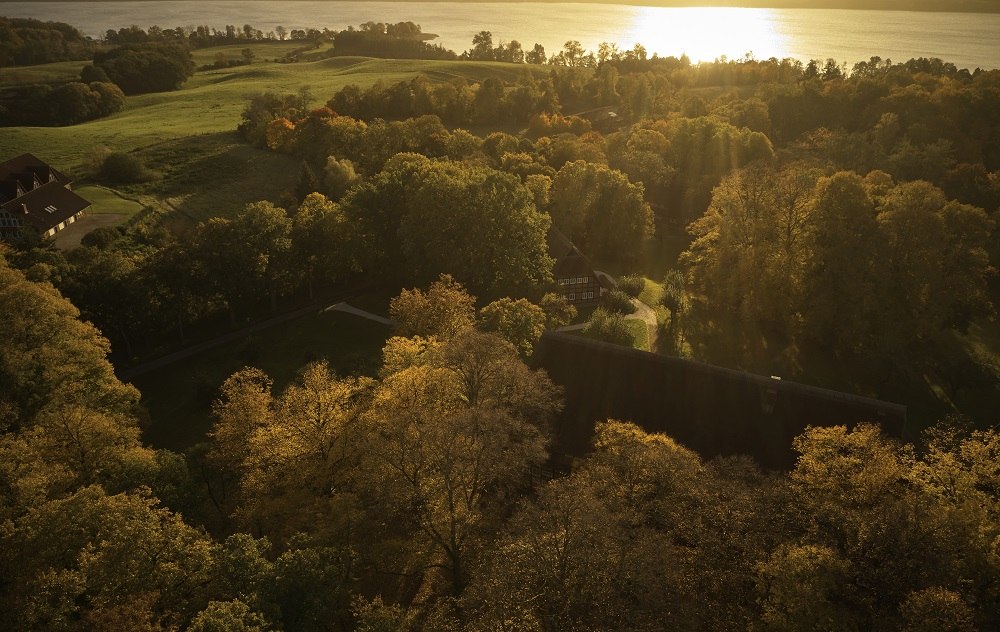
column 52, row 359
column 601, row 211
column 247, row 256
column 519, row 322
column 445, row 310
column 229, row 616
column 321, row 241
column 477, row 224
column 148, row 67
column 339, row 176
column 90, row 554
column 937, row 608
column 558, row 311
column 845, row 277
column 804, row 587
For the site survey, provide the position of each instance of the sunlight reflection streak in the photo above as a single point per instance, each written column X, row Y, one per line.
column 706, row 33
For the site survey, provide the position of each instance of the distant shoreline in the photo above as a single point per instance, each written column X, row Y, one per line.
column 913, row 6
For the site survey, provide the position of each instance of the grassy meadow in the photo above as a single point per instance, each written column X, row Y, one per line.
column 211, row 101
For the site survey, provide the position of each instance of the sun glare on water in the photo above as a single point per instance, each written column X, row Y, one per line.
column 704, row 34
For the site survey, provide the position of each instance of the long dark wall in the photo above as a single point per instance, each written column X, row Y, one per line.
column 711, row 410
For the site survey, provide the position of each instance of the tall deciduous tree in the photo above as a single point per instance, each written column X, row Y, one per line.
column 290, row 452
column 247, row 257
column 601, row 211
column 321, row 240
column 420, row 218
column 443, row 311
column 50, row 358
column 451, row 441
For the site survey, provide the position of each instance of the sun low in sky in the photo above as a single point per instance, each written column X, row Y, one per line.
column 705, row 33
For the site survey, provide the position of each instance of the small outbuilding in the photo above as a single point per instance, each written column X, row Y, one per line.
column 35, row 196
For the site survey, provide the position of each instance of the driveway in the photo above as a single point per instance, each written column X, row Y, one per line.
column 70, row 236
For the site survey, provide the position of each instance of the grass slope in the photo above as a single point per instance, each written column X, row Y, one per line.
column 211, row 101
column 212, row 175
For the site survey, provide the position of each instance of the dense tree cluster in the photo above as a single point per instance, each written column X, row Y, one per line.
column 24, row 42
column 837, row 214
column 431, row 217
column 67, row 104
column 403, row 40
column 139, row 68
column 346, row 503
column 861, row 267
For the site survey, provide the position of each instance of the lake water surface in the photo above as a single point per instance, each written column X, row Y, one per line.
column 968, row 40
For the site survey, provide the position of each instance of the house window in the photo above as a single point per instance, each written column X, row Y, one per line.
column 572, row 296
column 585, row 279
column 588, row 295
column 50, row 209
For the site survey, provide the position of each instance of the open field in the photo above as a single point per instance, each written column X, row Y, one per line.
column 263, row 51
column 211, row 101
column 57, row 72
column 213, row 175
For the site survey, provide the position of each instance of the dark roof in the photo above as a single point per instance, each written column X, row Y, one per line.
column 27, row 163
column 47, row 206
column 712, row 410
column 570, row 262
column 37, row 193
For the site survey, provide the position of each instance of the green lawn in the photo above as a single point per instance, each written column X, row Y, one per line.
column 211, row 102
column 58, row 72
column 651, row 293
column 179, row 396
column 640, row 334
column 104, row 201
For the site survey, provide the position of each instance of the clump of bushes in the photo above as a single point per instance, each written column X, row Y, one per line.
column 122, row 168
column 632, row 284
column 608, row 327
column 617, row 302
column 102, row 238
